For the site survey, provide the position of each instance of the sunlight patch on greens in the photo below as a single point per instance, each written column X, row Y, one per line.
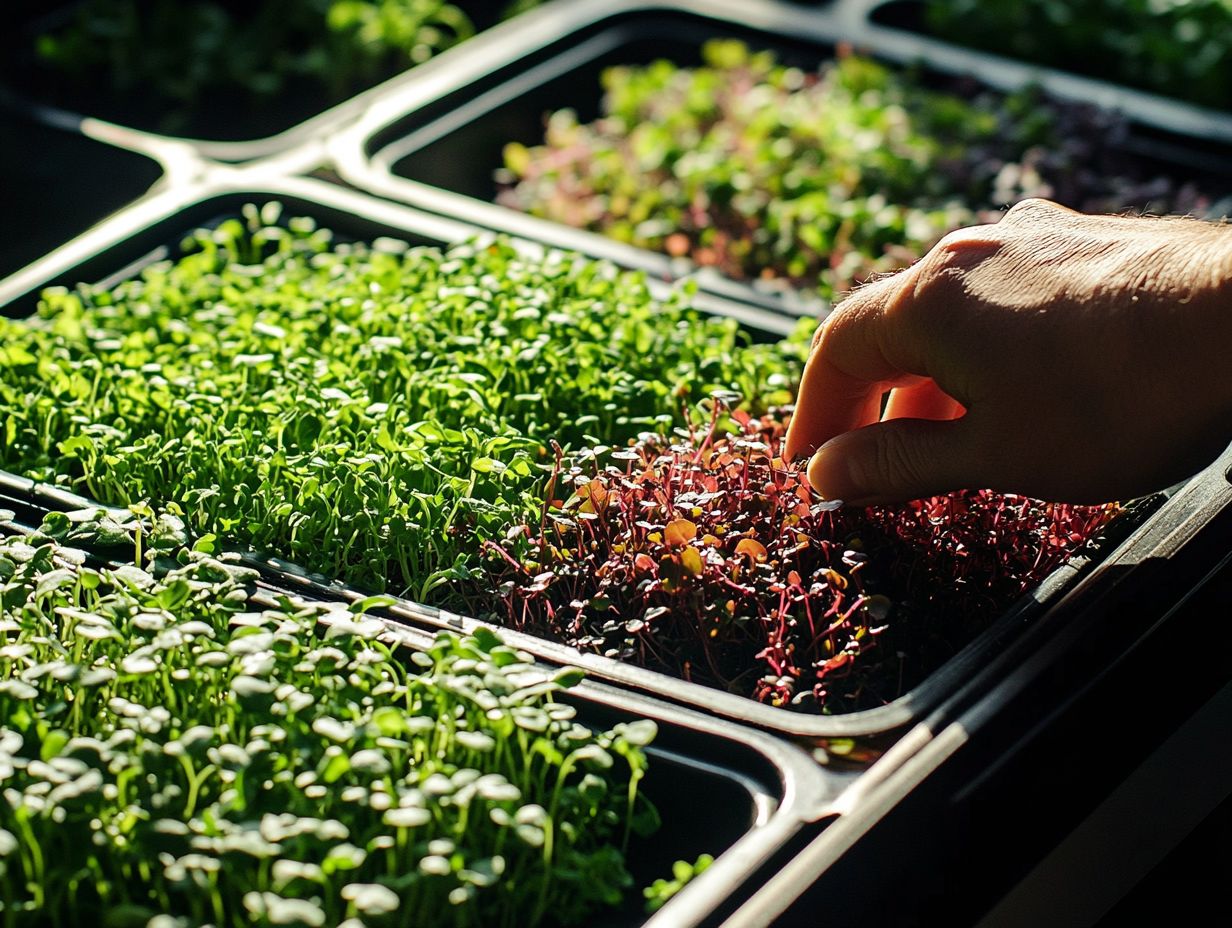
column 370, row 412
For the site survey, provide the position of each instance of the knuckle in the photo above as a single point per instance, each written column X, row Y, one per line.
column 932, row 285
column 965, row 247
column 958, row 239
column 818, row 333
column 1034, row 209
column 839, row 319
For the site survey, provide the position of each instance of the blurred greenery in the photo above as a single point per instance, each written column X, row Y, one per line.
column 179, row 53
column 1181, row 48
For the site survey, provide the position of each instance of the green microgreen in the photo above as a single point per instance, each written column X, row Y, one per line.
column 772, row 173
column 683, row 872
column 176, row 751
column 372, row 412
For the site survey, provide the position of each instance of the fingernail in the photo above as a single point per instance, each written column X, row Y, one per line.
column 832, row 475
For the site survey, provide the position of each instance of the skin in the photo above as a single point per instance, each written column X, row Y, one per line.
column 1068, row 357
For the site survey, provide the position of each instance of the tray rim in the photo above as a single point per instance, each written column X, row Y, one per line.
column 806, row 794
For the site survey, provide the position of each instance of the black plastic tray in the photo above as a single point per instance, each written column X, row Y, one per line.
column 119, row 248
column 436, row 145
column 218, row 127
column 772, row 797
column 57, row 184
column 1038, row 739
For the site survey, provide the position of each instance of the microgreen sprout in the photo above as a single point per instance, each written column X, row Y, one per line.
column 683, row 873
column 772, row 173
column 173, row 747
column 704, row 555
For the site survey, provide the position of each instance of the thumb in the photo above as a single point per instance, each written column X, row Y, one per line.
column 894, row 461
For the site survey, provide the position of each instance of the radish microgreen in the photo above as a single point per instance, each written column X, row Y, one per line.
column 704, row 556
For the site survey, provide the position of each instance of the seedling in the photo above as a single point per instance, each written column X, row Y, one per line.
column 174, row 752
column 771, row 173
column 709, row 558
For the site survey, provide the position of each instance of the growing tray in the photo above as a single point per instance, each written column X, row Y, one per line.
column 774, row 798
column 58, row 183
column 218, row 128
column 436, row 144
column 1045, row 734
column 117, row 249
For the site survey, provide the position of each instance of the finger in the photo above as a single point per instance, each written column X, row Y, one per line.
column 924, row 400
column 871, row 411
column 895, row 461
column 847, row 371
column 829, row 402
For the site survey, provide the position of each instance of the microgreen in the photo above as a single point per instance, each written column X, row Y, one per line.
column 370, row 412
column 683, row 872
column 180, row 54
column 772, row 173
column 1181, row 49
column 390, row 416
column 174, row 747
column 705, row 556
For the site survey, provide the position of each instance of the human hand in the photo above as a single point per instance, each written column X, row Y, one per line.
column 1068, row 357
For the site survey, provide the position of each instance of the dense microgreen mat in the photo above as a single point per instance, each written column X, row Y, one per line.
column 1182, row 48
column 371, row 412
column 180, row 56
column 706, row 556
column 175, row 751
column 812, row 178
column 512, row 435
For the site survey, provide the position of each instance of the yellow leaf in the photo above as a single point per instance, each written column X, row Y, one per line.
column 835, row 579
column 754, row 549
column 679, row 532
column 691, row 561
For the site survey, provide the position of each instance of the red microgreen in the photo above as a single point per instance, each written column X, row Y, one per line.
column 707, row 557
